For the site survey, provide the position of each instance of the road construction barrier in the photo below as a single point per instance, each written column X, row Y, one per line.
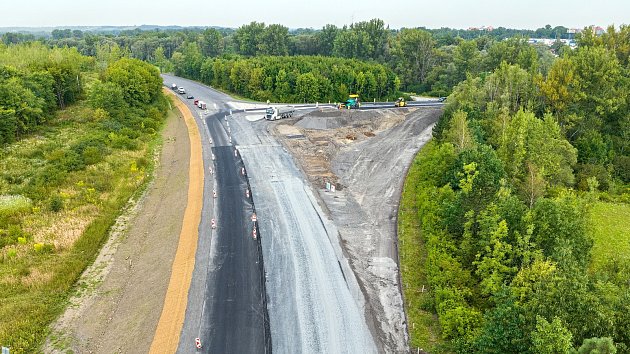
column 198, row 343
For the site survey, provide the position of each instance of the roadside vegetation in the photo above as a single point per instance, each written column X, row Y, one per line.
column 77, row 143
column 519, row 255
column 422, row 322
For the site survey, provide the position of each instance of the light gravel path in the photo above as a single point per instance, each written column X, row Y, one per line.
column 314, row 304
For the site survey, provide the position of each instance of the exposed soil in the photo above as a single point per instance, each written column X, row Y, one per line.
column 118, row 300
column 365, row 155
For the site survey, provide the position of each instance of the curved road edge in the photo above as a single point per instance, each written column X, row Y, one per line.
column 167, row 333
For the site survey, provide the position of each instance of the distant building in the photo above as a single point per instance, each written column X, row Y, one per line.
column 482, row 28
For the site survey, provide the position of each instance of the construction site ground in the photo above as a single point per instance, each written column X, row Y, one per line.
column 364, row 154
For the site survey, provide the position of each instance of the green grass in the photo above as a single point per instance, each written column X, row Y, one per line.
column 424, row 330
column 36, row 282
column 611, row 232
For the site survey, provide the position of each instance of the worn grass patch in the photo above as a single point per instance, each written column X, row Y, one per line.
column 611, row 232
column 424, row 330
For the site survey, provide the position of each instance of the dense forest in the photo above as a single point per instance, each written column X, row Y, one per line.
column 77, row 137
column 504, row 194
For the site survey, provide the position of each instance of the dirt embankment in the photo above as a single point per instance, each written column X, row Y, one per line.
column 118, row 301
column 366, row 155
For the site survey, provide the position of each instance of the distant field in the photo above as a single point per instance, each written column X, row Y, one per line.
column 611, row 231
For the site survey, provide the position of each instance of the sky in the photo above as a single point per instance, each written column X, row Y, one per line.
column 521, row 14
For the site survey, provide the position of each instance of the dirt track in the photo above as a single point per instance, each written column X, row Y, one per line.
column 118, row 304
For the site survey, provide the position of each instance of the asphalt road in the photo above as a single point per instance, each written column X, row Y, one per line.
column 226, row 303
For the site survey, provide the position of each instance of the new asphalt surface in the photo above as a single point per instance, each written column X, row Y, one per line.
column 226, row 303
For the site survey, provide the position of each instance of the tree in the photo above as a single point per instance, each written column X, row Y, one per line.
column 493, row 261
column 274, row 40
column 211, row 43
column 160, row 60
column 248, row 37
column 504, row 328
column 551, row 338
column 307, row 89
column 597, row 346
column 109, row 97
column 326, row 39
column 560, row 230
column 459, row 133
column 140, row 82
column 414, row 53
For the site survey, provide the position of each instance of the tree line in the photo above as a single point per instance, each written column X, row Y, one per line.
column 505, row 190
column 426, row 60
column 289, row 79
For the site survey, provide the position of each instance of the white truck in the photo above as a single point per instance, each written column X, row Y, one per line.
column 273, row 113
column 201, row 104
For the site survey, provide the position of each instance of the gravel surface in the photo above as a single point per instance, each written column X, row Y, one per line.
column 315, row 304
column 368, row 170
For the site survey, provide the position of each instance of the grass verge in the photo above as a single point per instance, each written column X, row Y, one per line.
column 611, row 232
column 424, row 331
column 36, row 281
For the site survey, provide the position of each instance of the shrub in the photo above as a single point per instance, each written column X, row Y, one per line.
column 55, row 203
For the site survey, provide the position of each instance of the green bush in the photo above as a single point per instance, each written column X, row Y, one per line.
column 55, row 203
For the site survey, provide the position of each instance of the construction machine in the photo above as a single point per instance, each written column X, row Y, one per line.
column 400, row 102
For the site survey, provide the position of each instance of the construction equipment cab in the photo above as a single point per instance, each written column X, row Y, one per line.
column 400, row 102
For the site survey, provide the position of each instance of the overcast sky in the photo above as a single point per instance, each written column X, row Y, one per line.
column 298, row 13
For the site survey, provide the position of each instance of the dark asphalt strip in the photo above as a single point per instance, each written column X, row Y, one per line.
column 236, row 319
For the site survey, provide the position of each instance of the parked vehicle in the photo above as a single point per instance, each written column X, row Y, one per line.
column 181, row 90
column 190, row 97
column 273, row 113
column 201, row 104
column 174, row 87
